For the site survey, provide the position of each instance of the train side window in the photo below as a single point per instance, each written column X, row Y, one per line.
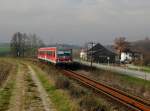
column 48, row 53
column 53, row 53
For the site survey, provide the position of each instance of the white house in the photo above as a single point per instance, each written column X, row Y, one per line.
column 126, row 57
column 129, row 56
column 83, row 55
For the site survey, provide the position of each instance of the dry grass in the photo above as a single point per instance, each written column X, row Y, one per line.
column 59, row 97
column 5, row 69
column 6, row 90
column 131, row 85
column 85, row 98
column 62, row 82
column 77, row 91
column 91, row 103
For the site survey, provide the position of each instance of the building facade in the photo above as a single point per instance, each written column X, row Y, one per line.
column 98, row 54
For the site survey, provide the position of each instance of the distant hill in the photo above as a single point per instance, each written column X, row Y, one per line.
column 4, row 49
column 4, row 44
column 142, row 45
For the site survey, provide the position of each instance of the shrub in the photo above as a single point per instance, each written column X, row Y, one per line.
column 77, row 91
column 62, row 82
column 91, row 103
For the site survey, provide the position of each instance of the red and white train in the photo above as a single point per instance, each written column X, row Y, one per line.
column 55, row 55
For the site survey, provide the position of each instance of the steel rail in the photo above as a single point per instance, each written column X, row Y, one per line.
column 131, row 101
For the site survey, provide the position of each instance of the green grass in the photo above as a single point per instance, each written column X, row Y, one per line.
column 133, row 80
column 141, row 68
column 126, row 79
column 4, row 50
column 59, row 98
column 146, row 69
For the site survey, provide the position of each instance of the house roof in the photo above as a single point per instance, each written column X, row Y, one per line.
column 111, row 48
column 99, row 50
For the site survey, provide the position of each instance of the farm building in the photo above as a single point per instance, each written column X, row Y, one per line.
column 99, row 54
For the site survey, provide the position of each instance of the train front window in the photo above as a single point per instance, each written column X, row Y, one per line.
column 64, row 53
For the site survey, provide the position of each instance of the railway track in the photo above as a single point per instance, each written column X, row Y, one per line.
column 134, row 102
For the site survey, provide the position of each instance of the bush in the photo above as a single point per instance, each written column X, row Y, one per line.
column 91, row 103
column 147, row 60
column 62, row 82
column 77, row 91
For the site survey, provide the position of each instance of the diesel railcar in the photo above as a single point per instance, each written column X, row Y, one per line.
column 55, row 55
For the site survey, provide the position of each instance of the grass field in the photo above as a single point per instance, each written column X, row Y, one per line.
column 144, row 68
column 4, row 50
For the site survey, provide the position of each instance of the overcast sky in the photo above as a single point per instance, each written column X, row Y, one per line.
column 76, row 21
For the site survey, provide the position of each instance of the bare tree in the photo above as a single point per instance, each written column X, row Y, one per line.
column 25, row 45
column 16, row 44
column 120, row 44
column 35, row 43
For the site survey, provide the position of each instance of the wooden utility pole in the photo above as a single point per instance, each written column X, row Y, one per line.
column 91, row 53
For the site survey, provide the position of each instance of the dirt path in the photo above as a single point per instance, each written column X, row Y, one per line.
column 29, row 94
column 44, row 96
column 18, row 93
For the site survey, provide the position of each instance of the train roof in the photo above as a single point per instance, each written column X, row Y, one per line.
column 57, row 47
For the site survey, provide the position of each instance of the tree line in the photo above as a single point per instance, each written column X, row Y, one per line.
column 25, row 45
column 142, row 46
